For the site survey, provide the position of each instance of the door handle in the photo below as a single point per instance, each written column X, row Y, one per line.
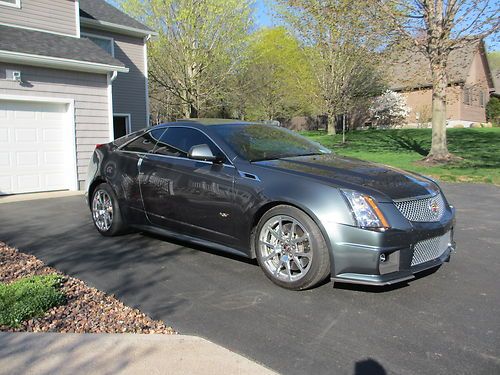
column 139, row 162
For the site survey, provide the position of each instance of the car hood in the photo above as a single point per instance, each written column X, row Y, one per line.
column 378, row 180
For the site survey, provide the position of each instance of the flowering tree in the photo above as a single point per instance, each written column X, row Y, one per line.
column 390, row 109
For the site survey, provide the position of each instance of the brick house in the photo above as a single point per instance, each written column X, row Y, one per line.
column 470, row 85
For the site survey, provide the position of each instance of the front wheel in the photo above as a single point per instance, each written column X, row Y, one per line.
column 106, row 211
column 291, row 249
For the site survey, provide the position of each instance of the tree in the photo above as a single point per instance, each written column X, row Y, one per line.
column 198, row 47
column 280, row 82
column 435, row 28
column 390, row 109
column 342, row 42
column 493, row 110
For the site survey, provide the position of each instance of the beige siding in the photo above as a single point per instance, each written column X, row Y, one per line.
column 50, row 15
column 89, row 92
column 476, row 82
column 420, row 102
column 129, row 89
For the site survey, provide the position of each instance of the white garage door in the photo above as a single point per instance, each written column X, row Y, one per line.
column 33, row 147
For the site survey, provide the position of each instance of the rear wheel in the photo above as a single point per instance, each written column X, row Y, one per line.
column 290, row 248
column 106, row 211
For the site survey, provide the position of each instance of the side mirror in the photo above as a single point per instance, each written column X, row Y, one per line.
column 203, row 152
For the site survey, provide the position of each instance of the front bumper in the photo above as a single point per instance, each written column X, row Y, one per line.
column 356, row 253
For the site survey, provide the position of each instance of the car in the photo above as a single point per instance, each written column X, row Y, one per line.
column 261, row 191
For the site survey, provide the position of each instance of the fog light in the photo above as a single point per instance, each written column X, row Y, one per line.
column 382, row 258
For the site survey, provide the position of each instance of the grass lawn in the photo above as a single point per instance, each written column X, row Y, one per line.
column 402, row 148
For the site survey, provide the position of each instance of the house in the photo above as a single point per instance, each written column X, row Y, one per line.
column 73, row 74
column 470, row 85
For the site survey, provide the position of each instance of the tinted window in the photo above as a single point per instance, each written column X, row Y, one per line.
column 265, row 142
column 177, row 141
column 145, row 143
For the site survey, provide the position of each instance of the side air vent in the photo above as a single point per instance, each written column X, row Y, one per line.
column 250, row 176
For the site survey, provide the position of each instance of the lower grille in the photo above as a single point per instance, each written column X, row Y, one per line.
column 430, row 249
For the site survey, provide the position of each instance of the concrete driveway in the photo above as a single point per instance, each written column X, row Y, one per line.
column 445, row 323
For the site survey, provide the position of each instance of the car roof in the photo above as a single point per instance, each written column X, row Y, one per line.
column 210, row 122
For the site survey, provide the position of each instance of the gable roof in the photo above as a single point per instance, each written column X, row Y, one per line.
column 412, row 69
column 38, row 46
column 100, row 13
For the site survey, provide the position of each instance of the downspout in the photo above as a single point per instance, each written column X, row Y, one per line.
column 113, row 76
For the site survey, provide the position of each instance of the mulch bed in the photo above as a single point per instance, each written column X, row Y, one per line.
column 87, row 310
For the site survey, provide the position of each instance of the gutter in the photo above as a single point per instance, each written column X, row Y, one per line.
column 114, row 27
column 422, row 86
column 59, row 63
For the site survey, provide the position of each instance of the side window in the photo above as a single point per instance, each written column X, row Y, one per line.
column 177, row 141
column 145, row 143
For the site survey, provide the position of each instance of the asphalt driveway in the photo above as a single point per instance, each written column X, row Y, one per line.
column 445, row 323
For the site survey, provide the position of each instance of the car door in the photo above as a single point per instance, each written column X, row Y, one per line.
column 125, row 167
column 185, row 195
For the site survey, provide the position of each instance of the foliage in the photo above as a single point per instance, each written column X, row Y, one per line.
column 278, row 79
column 29, row 297
column 493, row 110
column 343, row 43
column 390, row 109
column 494, row 60
column 403, row 148
column 198, row 48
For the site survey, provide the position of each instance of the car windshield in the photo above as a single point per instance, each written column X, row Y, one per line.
column 258, row 142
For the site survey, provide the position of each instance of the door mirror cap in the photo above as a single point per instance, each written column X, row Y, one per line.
column 203, row 152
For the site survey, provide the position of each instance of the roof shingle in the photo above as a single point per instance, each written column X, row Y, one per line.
column 52, row 45
column 412, row 69
column 100, row 10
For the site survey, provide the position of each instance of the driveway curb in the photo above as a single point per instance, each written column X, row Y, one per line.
column 35, row 196
column 75, row 354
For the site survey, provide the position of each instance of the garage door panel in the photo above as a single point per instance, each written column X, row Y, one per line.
column 53, row 181
column 29, row 182
column 4, row 160
column 27, row 159
column 52, row 136
column 35, row 149
column 54, row 159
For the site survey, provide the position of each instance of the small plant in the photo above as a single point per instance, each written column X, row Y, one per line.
column 29, row 297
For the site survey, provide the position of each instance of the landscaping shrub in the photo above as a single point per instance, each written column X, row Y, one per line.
column 29, row 297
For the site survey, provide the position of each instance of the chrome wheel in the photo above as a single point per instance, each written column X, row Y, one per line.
column 285, row 247
column 102, row 210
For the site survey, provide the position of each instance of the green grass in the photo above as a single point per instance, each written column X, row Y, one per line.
column 403, row 148
column 29, row 297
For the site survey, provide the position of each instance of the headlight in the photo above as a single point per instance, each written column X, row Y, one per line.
column 365, row 211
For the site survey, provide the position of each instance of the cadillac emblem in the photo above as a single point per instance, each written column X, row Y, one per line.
column 434, row 207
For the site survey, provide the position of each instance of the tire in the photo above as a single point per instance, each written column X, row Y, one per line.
column 295, row 257
column 106, row 213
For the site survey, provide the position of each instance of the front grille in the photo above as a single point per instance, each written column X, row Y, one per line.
column 430, row 249
column 424, row 210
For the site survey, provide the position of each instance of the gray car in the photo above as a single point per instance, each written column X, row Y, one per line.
column 264, row 192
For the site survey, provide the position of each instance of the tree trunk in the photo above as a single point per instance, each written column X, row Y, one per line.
column 193, row 113
column 331, row 124
column 439, row 148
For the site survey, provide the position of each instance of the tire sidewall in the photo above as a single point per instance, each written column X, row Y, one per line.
column 317, row 242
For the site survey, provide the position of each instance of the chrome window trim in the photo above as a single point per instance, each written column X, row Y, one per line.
column 120, row 148
column 145, row 154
